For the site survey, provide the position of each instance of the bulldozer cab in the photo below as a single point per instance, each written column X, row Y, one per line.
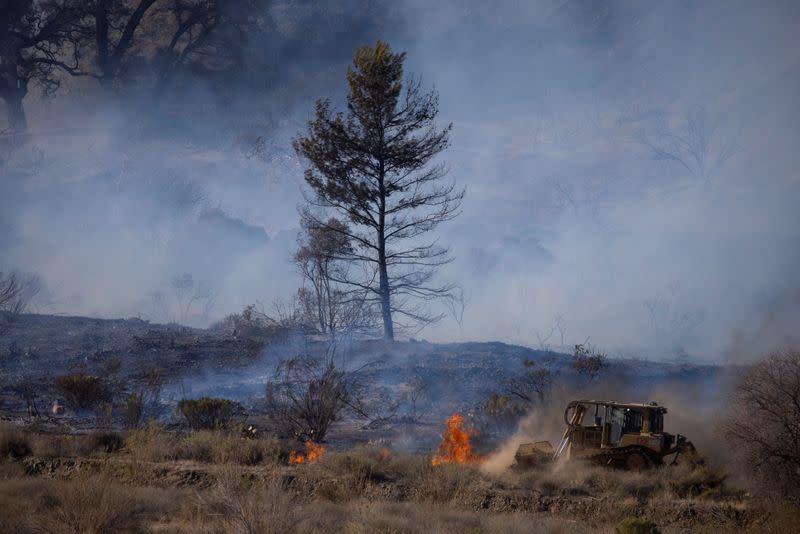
column 609, row 433
column 593, row 424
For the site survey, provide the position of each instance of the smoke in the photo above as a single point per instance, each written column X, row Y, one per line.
column 558, row 109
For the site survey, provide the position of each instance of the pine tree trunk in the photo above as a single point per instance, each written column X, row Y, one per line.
column 16, row 110
column 383, row 288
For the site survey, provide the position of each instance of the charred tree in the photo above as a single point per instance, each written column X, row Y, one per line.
column 38, row 40
column 203, row 35
column 372, row 165
column 318, row 260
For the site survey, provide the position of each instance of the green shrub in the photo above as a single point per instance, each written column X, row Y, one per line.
column 81, row 391
column 206, row 413
column 635, row 525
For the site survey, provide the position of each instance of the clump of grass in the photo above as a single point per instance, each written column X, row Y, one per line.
column 635, row 525
column 206, row 413
column 228, row 448
column 152, row 444
column 448, row 483
column 700, row 481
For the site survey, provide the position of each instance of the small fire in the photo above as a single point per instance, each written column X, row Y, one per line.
column 313, row 453
column 455, row 447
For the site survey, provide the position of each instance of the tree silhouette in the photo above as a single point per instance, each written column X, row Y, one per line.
column 372, row 165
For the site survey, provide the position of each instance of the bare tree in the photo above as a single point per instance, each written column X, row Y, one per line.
column 532, row 384
column 764, row 423
column 696, row 144
column 38, row 40
column 185, row 299
column 157, row 39
column 332, row 305
column 16, row 291
column 371, row 165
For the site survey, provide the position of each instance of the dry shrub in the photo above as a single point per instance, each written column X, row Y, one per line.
column 245, row 507
column 86, row 506
column 107, row 441
column 672, row 482
column 350, row 476
column 13, row 443
column 383, row 517
column 133, row 410
column 152, row 444
column 50, row 445
column 445, row 483
column 764, row 425
column 82, row 392
column 227, row 448
column 206, row 413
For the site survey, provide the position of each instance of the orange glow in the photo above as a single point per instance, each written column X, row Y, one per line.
column 313, row 453
column 455, row 447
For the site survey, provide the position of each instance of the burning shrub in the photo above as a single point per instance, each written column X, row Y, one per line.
column 206, row 412
column 82, row 392
column 455, row 446
column 313, row 453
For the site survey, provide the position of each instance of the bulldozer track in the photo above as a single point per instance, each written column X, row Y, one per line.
column 632, row 457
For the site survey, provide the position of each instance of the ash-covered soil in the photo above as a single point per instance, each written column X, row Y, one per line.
column 447, row 378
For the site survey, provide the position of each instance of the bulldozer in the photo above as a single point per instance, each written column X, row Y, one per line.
column 620, row 435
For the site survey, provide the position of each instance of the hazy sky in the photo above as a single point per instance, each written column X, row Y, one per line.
column 570, row 224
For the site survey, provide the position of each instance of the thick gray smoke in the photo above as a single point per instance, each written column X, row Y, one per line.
column 630, row 171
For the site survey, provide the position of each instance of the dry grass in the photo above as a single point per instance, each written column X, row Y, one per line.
column 245, row 485
column 154, row 444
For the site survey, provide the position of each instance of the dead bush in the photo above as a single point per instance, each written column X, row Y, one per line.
column 86, row 506
column 764, row 425
column 82, row 392
column 133, row 410
column 306, row 395
column 207, row 413
column 14, row 444
column 251, row 509
column 107, row 441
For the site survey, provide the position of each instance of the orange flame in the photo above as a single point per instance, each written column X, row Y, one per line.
column 455, row 447
column 313, row 453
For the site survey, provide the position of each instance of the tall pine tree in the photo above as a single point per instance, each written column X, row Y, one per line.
column 372, row 165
